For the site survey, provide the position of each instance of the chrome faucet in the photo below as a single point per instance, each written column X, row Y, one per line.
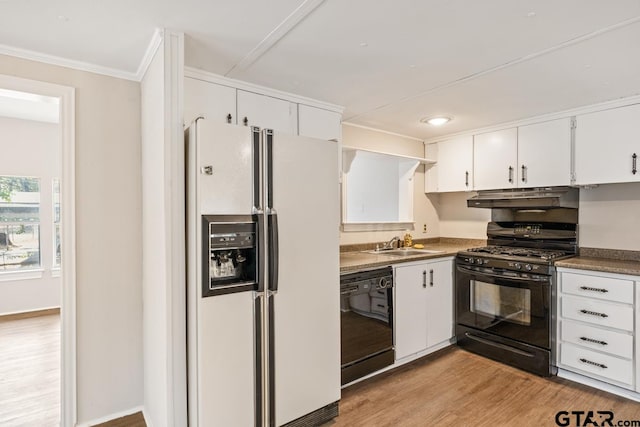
column 390, row 244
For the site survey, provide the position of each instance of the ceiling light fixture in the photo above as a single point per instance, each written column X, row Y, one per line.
column 436, row 121
column 364, row 44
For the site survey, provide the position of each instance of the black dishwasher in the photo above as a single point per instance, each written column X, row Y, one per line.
column 366, row 322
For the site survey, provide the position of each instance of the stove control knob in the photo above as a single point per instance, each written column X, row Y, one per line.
column 479, row 261
column 528, row 267
column 518, row 265
column 472, row 261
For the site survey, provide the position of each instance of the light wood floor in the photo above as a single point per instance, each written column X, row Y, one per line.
column 30, row 371
column 457, row 388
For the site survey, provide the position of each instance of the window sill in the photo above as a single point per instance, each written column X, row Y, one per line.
column 377, row 226
column 6, row 276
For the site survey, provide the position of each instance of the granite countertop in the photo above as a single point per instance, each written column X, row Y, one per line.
column 605, row 260
column 354, row 260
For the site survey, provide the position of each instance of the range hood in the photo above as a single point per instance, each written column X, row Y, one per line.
column 529, row 198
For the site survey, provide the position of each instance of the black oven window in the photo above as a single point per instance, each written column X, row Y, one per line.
column 502, row 303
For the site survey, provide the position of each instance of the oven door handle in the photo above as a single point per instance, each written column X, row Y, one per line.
column 498, row 345
column 500, row 276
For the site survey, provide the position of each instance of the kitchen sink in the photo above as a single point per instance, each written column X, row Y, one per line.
column 404, row 252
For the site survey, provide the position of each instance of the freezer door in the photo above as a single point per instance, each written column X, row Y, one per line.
column 306, row 306
column 225, row 164
column 226, row 366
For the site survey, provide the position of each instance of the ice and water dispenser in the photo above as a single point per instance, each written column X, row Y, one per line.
column 230, row 254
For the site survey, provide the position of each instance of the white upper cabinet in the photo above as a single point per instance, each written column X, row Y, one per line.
column 212, row 101
column 267, row 112
column 454, row 168
column 544, row 154
column 607, row 144
column 318, row 123
column 537, row 155
column 495, row 156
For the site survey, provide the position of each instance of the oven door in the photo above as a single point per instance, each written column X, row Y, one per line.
column 507, row 304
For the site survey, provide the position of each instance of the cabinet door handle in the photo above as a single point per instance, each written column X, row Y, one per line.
column 634, row 163
column 229, row 117
column 511, row 174
column 594, row 313
column 588, row 288
column 466, row 178
column 245, row 121
column 431, row 277
column 589, row 362
column 524, row 173
column 424, row 279
column 591, row 340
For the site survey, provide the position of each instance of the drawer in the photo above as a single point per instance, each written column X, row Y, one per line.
column 604, row 288
column 378, row 293
column 601, row 313
column 597, row 364
column 593, row 337
column 379, row 305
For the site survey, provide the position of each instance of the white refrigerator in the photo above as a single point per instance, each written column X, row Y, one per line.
column 264, row 351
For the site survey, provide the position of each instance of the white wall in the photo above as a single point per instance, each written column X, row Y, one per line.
column 610, row 217
column 458, row 220
column 424, row 211
column 163, row 238
column 108, row 230
column 32, row 148
column 154, row 244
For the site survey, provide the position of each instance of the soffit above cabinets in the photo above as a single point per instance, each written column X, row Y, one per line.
column 389, row 63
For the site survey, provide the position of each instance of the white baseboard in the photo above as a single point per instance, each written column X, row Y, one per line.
column 572, row 376
column 112, row 417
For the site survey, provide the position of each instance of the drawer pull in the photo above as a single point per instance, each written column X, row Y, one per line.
column 594, row 341
column 589, row 362
column 380, row 305
column 587, row 288
column 593, row 313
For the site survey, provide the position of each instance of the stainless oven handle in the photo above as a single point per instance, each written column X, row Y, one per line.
column 500, row 276
column 498, row 345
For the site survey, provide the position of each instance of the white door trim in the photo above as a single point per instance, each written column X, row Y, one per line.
column 68, row 410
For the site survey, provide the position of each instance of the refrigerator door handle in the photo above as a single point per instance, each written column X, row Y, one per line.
column 257, row 169
column 259, row 220
column 268, row 144
column 272, row 224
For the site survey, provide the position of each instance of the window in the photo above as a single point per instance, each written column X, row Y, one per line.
column 19, row 223
column 56, row 223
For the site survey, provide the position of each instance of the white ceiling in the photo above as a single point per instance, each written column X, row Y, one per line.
column 482, row 62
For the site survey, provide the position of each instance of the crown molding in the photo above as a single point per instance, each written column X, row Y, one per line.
column 152, row 48
column 64, row 62
column 592, row 108
column 413, row 138
column 196, row 73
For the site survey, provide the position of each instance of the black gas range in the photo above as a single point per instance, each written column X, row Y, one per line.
column 505, row 291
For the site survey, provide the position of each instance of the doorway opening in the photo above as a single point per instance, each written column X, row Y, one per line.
column 37, row 254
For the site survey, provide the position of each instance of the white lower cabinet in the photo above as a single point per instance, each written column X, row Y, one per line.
column 597, row 327
column 423, row 310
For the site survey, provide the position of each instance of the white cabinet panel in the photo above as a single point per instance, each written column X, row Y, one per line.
column 594, row 363
column 439, row 302
column 410, row 310
column 454, row 167
column 544, row 154
column 317, row 123
column 209, row 100
column 495, row 156
column 604, row 288
column 597, row 312
column 423, row 306
column 605, row 144
column 593, row 337
column 267, row 112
